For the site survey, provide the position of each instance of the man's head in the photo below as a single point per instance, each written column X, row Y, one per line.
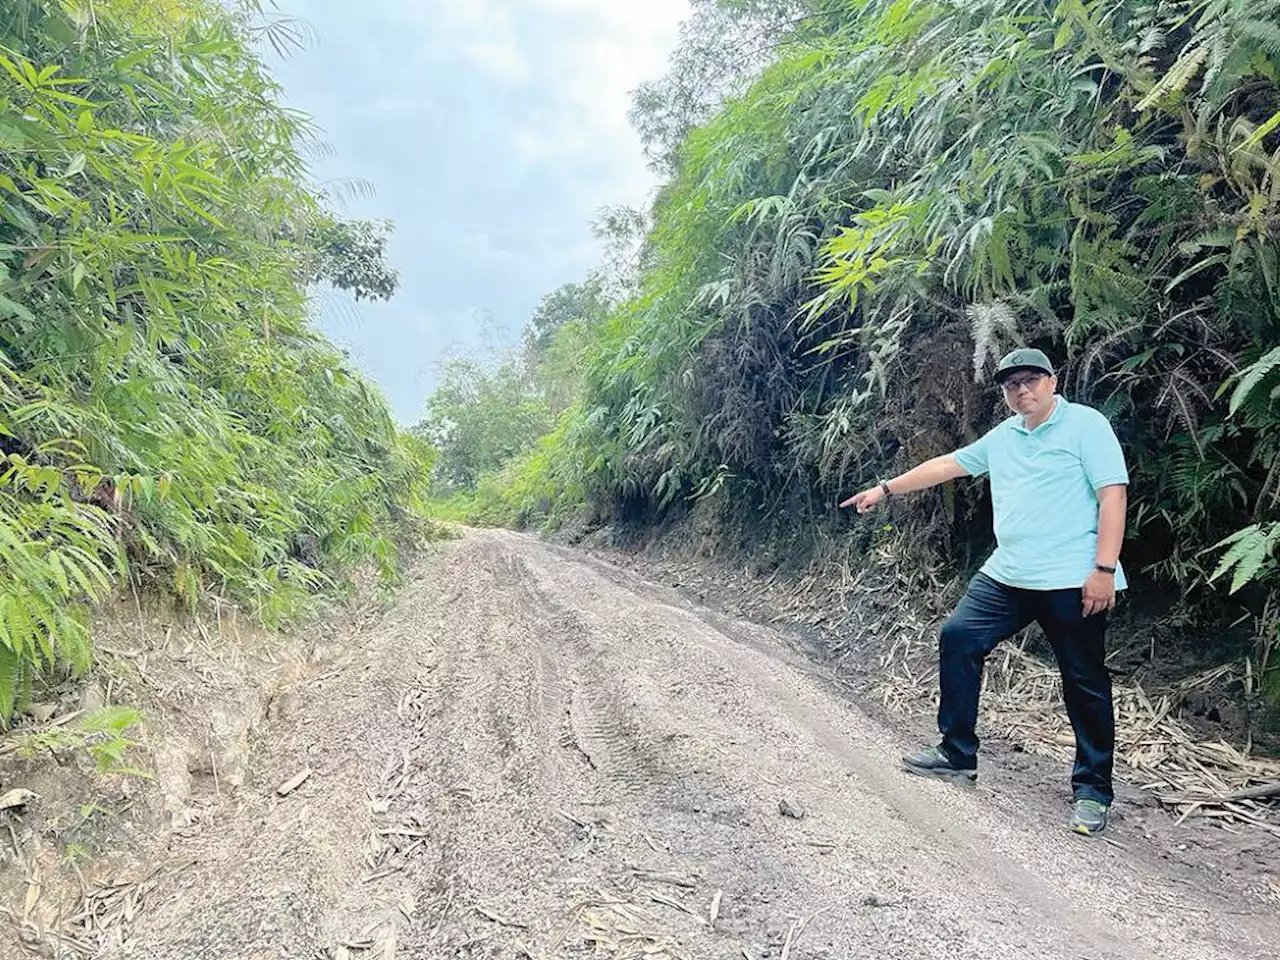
column 1027, row 379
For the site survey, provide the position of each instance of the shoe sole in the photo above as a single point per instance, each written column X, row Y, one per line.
column 1084, row 831
column 942, row 773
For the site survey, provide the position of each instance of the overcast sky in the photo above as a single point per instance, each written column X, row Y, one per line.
column 492, row 131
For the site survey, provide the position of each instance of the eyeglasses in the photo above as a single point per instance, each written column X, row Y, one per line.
column 1015, row 384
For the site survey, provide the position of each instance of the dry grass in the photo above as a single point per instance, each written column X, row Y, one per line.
column 874, row 616
column 1022, row 703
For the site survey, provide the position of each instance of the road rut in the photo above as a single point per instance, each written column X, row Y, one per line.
column 536, row 755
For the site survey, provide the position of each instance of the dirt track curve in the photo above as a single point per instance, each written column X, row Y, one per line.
column 536, row 755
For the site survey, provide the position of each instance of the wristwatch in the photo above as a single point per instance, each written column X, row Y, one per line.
column 1105, row 569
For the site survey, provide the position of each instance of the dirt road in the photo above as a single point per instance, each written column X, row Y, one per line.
column 536, row 755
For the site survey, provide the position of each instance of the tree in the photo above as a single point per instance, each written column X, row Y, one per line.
column 572, row 303
column 722, row 47
column 168, row 415
column 893, row 193
column 622, row 232
column 351, row 255
column 478, row 417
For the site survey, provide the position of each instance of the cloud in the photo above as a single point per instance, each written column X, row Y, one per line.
column 484, row 248
column 533, row 145
column 493, row 131
column 484, row 31
column 583, row 57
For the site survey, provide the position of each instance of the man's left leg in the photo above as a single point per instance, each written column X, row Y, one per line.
column 1079, row 644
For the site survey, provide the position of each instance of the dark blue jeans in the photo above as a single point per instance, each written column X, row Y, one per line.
column 991, row 612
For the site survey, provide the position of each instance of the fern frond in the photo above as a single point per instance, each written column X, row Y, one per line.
column 1265, row 33
column 1179, row 76
column 11, row 679
column 1263, row 129
column 1183, row 409
column 991, row 325
column 1250, row 549
column 1252, row 376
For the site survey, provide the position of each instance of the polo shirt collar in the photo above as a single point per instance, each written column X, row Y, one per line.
column 1059, row 410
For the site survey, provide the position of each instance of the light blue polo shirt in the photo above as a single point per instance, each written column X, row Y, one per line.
column 1043, row 494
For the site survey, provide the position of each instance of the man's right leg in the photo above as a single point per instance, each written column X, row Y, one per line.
column 988, row 613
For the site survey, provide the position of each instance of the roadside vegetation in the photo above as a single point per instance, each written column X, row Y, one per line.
column 170, row 421
column 865, row 203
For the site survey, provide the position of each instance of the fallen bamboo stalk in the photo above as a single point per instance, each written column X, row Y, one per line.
column 1262, row 792
column 500, row 921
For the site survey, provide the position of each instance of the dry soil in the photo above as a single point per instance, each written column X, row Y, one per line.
column 535, row 755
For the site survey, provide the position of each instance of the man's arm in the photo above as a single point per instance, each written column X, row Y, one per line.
column 1100, row 588
column 926, row 475
column 1112, row 503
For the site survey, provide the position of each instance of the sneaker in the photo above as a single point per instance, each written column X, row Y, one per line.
column 932, row 762
column 1089, row 817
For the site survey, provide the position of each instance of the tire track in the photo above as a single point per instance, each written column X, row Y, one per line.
column 603, row 725
column 529, row 759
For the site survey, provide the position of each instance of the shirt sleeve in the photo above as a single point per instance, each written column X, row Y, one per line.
column 1101, row 454
column 974, row 457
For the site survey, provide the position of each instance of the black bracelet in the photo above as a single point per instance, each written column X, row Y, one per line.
column 884, row 485
column 1105, row 569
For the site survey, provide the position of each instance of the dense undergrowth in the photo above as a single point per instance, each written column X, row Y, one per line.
column 168, row 418
column 903, row 191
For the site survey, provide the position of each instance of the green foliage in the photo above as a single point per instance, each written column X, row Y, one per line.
column 1262, row 372
column 583, row 304
column 897, row 193
column 494, row 425
column 351, row 255
column 723, row 44
column 558, row 334
column 459, row 506
column 102, row 734
column 167, row 413
column 478, row 418
column 1250, row 550
column 55, row 554
column 533, row 488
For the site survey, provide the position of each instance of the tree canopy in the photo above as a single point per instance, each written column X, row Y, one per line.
column 168, row 417
column 855, row 228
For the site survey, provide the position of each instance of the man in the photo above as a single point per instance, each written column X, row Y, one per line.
column 1058, row 489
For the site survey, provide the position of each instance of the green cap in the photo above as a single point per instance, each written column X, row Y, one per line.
column 1023, row 358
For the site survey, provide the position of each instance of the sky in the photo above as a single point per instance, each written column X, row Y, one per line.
column 491, row 132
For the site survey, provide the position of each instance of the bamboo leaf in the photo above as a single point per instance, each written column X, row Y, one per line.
column 1252, row 376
